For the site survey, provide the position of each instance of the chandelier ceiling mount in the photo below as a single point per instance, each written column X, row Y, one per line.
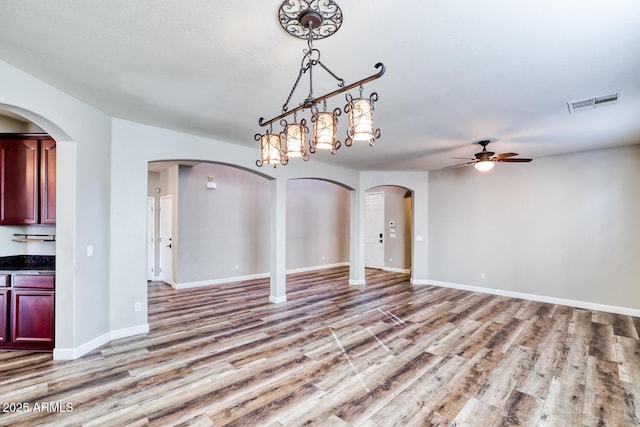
column 295, row 16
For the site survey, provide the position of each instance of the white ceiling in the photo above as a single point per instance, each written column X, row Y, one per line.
column 457, row 71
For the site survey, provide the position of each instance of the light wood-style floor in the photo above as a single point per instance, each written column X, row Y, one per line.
column 384, row 354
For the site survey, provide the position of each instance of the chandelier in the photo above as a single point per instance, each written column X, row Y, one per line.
column 312, row 20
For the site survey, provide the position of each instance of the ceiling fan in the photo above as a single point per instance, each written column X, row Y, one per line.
column 484, row 160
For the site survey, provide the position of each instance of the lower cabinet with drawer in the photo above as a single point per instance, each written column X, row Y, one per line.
column 28, row 306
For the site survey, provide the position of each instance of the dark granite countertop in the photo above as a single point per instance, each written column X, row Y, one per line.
column 38, row 264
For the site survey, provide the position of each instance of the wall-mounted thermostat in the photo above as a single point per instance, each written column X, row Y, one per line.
column 210, row 183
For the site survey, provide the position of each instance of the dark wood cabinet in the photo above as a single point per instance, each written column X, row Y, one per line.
column 32, row 317
column 38, row 281
column 48, row 181
column 27, row 303
column 19, row 181
column 27, row 180
column 4, row 315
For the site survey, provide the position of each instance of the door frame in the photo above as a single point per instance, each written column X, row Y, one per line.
column 165, row 266
column 151, row 238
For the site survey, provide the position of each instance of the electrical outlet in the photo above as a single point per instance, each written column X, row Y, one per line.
column 390, row 259
column 137, row 306
column 237, row 266
column 483, row 276
column 323, row 257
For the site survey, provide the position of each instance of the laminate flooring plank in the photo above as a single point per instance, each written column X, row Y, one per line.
column 23, row 394
column 580, row 322
column 549, row 358
column 457, row 336
column 636, row 322
column 475, row 411
column 604, row 397
column 399, row 377
column 602, row 343
column 623, row 326
column 566, row 395
column 501, row 382
column 522, row 409
column 478, row 339
column 350, row 389
column 528, row 309
column 429, row 388
column 265, row 405
column 509, row 312
column 504, row 339
column 197, row 421
column 564, row 310
column 462, row 387
column 628, row 357
column 632, row 403
column 491, row 309
column 534, row 331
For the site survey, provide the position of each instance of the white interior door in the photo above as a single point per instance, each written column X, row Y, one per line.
column 165, row 240
column 151, row 238
column 374, row 230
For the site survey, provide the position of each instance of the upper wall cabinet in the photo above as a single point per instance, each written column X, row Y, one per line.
column 27, row 180
column 48, row 181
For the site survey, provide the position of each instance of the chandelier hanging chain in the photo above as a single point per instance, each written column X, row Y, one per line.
column 310, row 59
column 303, row 69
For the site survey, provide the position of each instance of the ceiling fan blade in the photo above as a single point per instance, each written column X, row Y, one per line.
column 515, row 160
column 459, row 165
column 463, row 158
column 503, row 155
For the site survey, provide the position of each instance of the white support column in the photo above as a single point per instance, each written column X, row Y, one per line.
column 356, row 245
column 278, row 289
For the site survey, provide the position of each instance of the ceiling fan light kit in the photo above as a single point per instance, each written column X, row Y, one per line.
column 484, row 166
column 313, row 20
column 485, row 159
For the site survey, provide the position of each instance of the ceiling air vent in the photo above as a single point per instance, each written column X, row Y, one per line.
column 596, row 101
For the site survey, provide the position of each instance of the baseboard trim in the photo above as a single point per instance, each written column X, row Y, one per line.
column 317, row 267
column 189, row 285
column 277, row 300
column 77, row 352
column 129, row 332
column 357, row 282
column 222, row 281
column 533, row 297
column 397, row 270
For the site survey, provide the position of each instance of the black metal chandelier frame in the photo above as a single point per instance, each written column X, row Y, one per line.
column 312, row 20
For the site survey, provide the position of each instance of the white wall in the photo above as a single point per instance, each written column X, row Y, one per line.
column 565, row 227
column 11, row 125
column 317, row 224
column 223, row 228
column 9, row 247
